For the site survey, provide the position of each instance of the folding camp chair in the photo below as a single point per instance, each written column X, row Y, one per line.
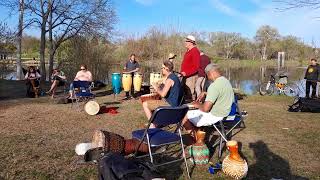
column 225, row 127
column 157, row 137
column 83, row 94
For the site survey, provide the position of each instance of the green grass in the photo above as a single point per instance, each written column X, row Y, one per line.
column 38, row 137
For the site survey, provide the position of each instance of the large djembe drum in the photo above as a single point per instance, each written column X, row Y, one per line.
column 126, row 81
column 137, row 82
column 199, row 151
column 112, row 142
column 116, row 83
column 233, row 165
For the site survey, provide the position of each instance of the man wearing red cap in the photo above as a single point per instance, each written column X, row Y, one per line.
column 190, row 66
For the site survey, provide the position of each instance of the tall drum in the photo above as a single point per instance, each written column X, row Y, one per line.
column 157, row 78
column 126, row 81
column 137, row 82
column 151, row 78
column 116, row 83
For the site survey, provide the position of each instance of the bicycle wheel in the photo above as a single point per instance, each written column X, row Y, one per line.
column 266, row 89
column 291, row 90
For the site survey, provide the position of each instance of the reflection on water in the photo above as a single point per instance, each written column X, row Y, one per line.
column 246, row 79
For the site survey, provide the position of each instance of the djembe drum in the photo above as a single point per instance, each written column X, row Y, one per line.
column 126, row 81
column 137, row 82
column 199, row 151
column 233, row 165
column 111, row 142
column 116, row 83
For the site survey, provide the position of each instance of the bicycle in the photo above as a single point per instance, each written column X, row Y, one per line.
column 272, row 86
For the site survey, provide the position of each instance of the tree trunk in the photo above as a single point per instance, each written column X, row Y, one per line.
column 42, row 50
column 51, row 45
column 19, row 38
column 264, row 52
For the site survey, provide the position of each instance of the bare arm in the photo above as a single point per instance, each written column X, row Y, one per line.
column 205, row 107
column 135, row 70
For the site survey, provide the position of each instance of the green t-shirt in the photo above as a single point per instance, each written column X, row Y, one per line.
column 221, row 94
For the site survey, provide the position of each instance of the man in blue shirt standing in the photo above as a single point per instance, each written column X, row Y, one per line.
column 131, row 66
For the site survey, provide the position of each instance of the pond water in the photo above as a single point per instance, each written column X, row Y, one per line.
column 246, row 79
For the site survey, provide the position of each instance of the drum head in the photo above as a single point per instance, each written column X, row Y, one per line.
column 92, row 107
column 82, row 148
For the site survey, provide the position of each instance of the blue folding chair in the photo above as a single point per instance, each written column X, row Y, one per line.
column 225, row 127
column 157, row 137
column 84, row 92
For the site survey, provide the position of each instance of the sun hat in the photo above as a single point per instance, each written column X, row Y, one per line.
column 191, row 38
column 171, row 56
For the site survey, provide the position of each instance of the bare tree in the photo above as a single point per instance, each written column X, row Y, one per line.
column 69, row 18
column 19, row 39
column 22, row 24
column 264, row 36
column 224, row 41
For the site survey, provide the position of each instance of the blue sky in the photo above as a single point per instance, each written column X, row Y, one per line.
column 242, row 16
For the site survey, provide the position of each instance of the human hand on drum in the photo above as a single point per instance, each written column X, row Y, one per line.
column 194, row 105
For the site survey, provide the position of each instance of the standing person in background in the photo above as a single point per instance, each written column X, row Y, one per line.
column 204, row 61
column 131, row 66
column 171, row 56
column 312, row 76
column 189, row 67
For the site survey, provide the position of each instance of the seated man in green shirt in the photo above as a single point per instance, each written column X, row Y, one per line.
column 217, row 104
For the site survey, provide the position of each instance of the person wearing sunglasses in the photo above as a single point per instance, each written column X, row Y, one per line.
column 189, row 68
column 82, row 75
column 170, row 91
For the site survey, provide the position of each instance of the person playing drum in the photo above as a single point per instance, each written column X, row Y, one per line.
column 217, row 103
column 171, row 91
column 131, row 66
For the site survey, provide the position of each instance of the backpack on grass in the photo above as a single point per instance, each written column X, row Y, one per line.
column 305, row 105
column 114, row 166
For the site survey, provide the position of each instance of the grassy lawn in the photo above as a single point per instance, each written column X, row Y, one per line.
column 38, row 137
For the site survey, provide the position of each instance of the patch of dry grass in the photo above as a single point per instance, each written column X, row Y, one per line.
column 38, row 138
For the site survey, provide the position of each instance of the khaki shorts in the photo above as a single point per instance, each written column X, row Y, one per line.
column 154, row 104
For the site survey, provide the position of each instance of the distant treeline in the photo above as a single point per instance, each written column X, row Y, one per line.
column 154, row 46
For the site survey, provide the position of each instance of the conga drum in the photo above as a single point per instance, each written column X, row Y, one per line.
column 126, row 81
column 157, row 77
column 116, row 83
column 92, row 108
column 137, row 82
column 151, row 78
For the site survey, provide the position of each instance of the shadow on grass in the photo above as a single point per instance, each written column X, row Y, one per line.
column 104, row 93
column 268, row 164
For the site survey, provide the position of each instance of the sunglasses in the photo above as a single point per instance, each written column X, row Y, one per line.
column 82, row 69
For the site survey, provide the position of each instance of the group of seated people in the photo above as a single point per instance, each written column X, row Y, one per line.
column 212, row 105
column 58, row 79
